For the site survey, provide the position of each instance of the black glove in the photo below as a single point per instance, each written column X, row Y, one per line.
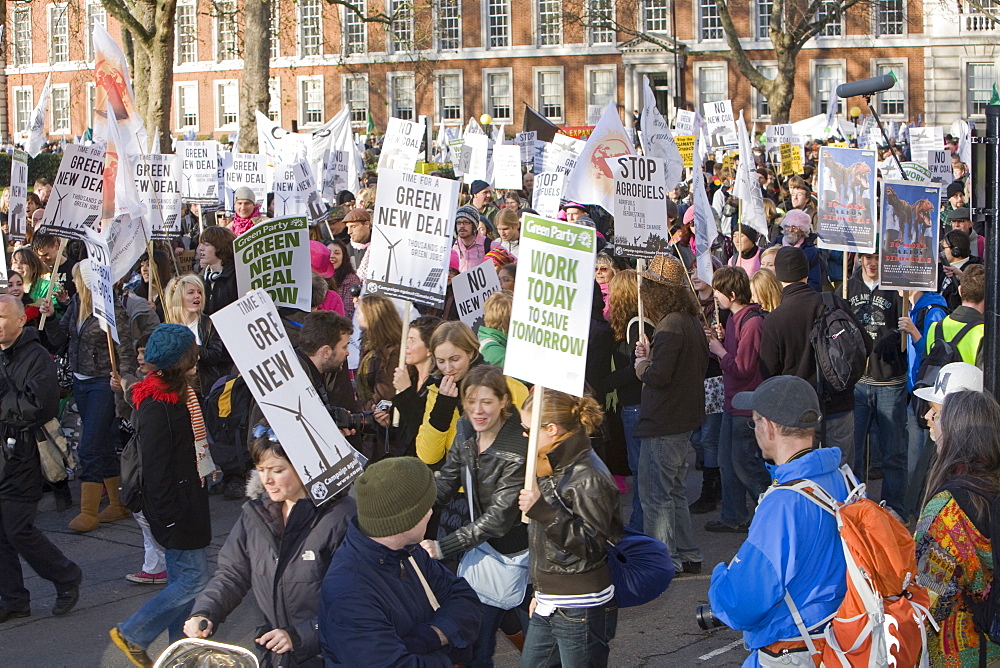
column 422, row 640
column 460, row 657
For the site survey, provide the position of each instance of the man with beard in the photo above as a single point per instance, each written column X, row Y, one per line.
column 796, row 228
column 470, row 245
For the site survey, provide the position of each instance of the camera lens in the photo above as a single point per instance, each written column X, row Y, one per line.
column 706, row 618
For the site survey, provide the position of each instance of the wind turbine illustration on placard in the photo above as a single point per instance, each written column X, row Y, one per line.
column 392, row 252
column 311, row 432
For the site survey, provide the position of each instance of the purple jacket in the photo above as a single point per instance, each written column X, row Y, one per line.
column 741, row 366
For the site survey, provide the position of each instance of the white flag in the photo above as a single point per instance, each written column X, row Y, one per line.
column 125, row 194
column 36, row 122
column 705, row 229
column 592, row 181
column 657, row 139
column 747, row 187
column 831, row 110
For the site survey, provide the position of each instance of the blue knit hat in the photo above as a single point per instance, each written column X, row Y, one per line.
column 478, row 186
column 167, row 344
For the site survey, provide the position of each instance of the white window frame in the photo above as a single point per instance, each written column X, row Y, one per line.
column 819, row 98
column 179, row 113
column 595, row 7
column 180, row 33
column 487, row 99
column 488, row 26
column 54, row 129
column 438, row 100
column 392, row 87
column 762, row 23
column 90, row 91
column 877, row 20
column 900, row 67
column 345, row 89
column 20, row 127
column 548, row 35
column 22, row 34
column 312, row 50
column 217, row 19
column 217, row 86
column 275, row 29
column 536, row 86
column 588, row 71
column 712, row 64
column 655, row 6
column 700, row 30
column 94, row 10
column 274, row 103
column 966, row 96
column 60, row 11
column 756, row 97
column 352, row 20
column 400, row 38
column 453, row 5
column 832, row 29
column 300, row 83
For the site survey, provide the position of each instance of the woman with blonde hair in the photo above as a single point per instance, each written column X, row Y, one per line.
column 576, row 511
column 765, row 289
column 184, row 305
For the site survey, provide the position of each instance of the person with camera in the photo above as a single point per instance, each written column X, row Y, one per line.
column 793, row 545
column 29, row 397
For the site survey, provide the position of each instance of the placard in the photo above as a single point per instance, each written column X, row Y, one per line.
column 252, row 331
column 248, row 169
column 721, row 124
column 684, row 123
column 158, row 182
column 780, row 134
column 288, row 201
column 412, row 236
column 17, row 213
column 476, row 167
column 101, row 282
column 526, row 142
column 909, row 240
column 471, row 289
column 939, row 166
column 685, row 144
column 200, row 170
column 550, row 317
column 273, row 255
column 305, row 184
column 401, row 145
column 791, row 159
column 547, row 193
column 507, row 167
column 640, row 206
column 845, row 218
column 923, row 140
column 77, row 195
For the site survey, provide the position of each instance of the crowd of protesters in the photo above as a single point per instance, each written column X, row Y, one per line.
column 726, row 368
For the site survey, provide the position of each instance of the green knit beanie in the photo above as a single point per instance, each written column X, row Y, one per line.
column 393, row 495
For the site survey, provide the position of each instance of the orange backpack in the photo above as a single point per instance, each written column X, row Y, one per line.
column 880, row 622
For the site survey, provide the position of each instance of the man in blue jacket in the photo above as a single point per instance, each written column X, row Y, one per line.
column 385, row 602
column 793, row 545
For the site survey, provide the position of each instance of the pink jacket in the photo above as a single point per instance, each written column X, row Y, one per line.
column 474, row 255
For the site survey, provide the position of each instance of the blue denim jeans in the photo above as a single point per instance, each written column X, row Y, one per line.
column 489, row 624
column 742, row 469
column 880, row 415
column 187, row 575
column 663, row 470
column 570, row 637
column 98, row 432
column 633, row 445
column 705, row 440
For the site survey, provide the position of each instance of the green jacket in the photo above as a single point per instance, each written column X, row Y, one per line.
column 492, row 345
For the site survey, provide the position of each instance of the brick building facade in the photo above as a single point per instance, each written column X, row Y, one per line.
column 452, row 59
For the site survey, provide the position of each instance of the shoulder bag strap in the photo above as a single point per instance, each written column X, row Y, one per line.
column 468, row 492
column 431, row 598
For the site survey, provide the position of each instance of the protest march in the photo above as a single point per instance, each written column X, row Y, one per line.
column 494, row 395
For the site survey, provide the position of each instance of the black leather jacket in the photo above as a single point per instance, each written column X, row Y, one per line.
column 498, row 477
column 579, row 512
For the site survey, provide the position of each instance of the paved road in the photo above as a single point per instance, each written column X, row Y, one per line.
column 662, row 633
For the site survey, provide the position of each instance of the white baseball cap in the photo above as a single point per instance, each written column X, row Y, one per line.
column 952, row 378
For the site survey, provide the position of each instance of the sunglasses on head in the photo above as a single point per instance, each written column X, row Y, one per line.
column 261, row 430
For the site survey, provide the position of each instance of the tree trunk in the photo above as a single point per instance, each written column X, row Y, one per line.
column 255, row 94
column 156, row 115
column 781, row 92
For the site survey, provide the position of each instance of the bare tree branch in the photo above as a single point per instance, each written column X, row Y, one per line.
column 125, row 15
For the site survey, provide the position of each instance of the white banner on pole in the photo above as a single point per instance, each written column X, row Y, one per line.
column 77, row 195
column 401, row 146
column 273, row 255
column 640, row 206
column 657, row 139
column 471, row 289
column 200, row 165
column 591, row 181
column 158, row 182
column 252, row 331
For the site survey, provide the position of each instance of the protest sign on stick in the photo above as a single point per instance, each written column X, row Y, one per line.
column 640, row 206
column 939, row 165
column 411, row 237
column 721, row 124
column 507, row 167
column 909, row 239
column 550, row 317
column 17, row 215
column 471, row 289
column 248, row 169
column 684, row 123
column 158, row 182
column 77, row 194
column 685, row 145
column 547, row 193
column 845, row 214
column 252, row 331
column 274, row 255
column 101, row 284
column 288, row 200
column 401, row 145
column 526, row 142
column 200, row 165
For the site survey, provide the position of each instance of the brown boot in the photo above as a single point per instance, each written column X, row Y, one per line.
column 115, row 510
column 90, row 499
column 516, row 639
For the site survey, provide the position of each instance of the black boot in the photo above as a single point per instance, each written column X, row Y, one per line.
column 711, row 492
column 63, row 495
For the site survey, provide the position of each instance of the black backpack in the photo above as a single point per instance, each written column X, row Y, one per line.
column 130, row 482
column 839, row 345
column 227, row 416
column 942, row 352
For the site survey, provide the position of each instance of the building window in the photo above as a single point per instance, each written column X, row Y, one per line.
column 22, row 36
column 762, row 110
column 826, row 77
column 549, row 92
column 356, row 98
column 893, row 101
column 59, row 105
column 829, row 11
column 225, row 30
column 275, row 30
column 498, row 20
column 449, row 25
column 187, row 105
column 980, row 78
column 449, row 97
column 24, row 102
column 58, row 34
column 710, row 23
column 764, row 9
column 891, row 17
column 402, row 96
column 274, row 101
column 96, row 16
column 549, row 22
column 310, row 29
column 601, row 90
column 187, row 34
column 656, row 15
column 601, row 22
column 227, row 102
column 311, row 100
column 499, row 98
column 355, row 33
column 401, row 32
column 712, row 85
